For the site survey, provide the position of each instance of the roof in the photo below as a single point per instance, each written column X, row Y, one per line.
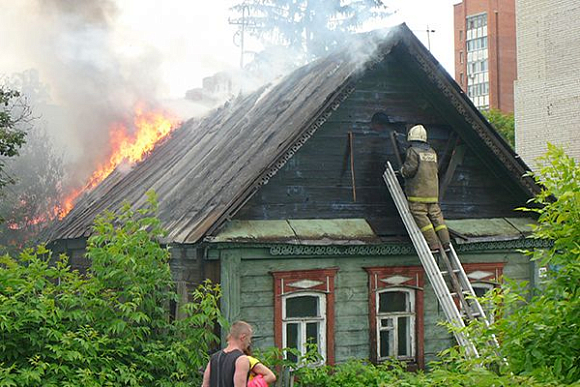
column 208, row 169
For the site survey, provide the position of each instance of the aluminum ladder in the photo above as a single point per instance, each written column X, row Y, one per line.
column 457, row 285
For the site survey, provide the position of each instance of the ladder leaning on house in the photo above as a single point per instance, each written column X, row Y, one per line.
column 459, row 287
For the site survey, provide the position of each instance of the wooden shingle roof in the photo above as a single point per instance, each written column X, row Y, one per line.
column 208, row 169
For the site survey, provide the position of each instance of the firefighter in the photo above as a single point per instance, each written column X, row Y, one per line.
column 422, row 188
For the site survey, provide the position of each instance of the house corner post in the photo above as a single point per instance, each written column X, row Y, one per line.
column 231, row 286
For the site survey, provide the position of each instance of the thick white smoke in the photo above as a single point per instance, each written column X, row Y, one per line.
column 89, row 77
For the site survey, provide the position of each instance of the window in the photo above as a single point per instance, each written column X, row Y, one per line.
column 304, row 310
column 477, row 56
column 461, row 79
column 461, row 35
column 484, row 277
column 460, row 56
column 396, row 323
column 304, row 321
column 396, row 313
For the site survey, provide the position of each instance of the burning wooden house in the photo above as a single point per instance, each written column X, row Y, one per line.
column 279, row 197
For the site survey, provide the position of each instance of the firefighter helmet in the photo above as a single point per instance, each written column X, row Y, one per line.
column 417, row 133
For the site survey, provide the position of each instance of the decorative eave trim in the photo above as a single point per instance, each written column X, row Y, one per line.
column 331, row 106
column 459, row 103
column 392, row 249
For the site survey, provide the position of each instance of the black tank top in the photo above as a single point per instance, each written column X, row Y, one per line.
column 223, row 367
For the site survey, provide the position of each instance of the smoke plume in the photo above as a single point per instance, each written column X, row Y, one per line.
column 94, row 80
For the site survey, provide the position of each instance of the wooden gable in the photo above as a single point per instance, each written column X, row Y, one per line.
column 317, row 183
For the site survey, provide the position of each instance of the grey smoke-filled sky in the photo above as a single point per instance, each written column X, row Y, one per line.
column 98, row 58
column 182, row 41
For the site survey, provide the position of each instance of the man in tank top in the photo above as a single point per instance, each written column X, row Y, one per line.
column 230, row 367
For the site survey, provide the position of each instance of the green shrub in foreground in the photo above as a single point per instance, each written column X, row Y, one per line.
column 109, row 327
column 361, row 374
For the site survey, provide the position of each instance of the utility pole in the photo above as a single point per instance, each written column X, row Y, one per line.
column 429, row 31
column 243, row 23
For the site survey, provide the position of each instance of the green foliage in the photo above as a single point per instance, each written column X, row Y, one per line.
column 11, row 138
column 542, row 335
column 110, row 327
column 503, row 123
column 37, row 173
column 539, row 331
column 394, row 374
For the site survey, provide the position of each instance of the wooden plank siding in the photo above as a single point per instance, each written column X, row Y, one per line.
column 317, row 181
column 352, row 336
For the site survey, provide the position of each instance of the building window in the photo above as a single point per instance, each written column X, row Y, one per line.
column 460, row 56
column 396, row 313
column 461, row 35
column 304, row 311
column 461, row 79
column 304, row 321
column 477, row 59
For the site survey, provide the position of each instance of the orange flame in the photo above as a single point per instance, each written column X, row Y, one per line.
column 151, row 127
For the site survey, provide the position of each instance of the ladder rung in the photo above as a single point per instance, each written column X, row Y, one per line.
column 445, row 272
column 476, row 314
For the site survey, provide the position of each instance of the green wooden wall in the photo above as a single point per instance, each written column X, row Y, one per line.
column 248, row 294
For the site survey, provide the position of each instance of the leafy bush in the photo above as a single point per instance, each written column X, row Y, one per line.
column 542, row 335
column 110, row 327
column 539, row 331
column 393, row 374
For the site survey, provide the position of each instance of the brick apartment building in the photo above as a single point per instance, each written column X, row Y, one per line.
column 547, row 90
column 485, row 52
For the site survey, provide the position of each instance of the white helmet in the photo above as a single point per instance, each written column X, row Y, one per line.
column 417, row 133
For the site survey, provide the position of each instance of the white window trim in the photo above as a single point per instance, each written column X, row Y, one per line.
column 303, row 320
column 413, row 319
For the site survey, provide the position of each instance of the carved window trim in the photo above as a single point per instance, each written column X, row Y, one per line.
column 410, row 278
column 320, row 282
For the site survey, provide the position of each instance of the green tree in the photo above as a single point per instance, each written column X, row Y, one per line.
column 311, row 27
column 110, row 326
column 12, row 113
column 503, row 123
column 33, row 199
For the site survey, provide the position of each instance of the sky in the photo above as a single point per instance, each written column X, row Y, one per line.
column 190, row 39
column 94, row 61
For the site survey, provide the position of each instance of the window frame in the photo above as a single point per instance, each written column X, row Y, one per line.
column 410, row 278
column 411, row 314
column 304, row 282
column 302, row 321
column 491, row 281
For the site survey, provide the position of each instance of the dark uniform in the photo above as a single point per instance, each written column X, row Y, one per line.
column 223, row 368
column 422, row 189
